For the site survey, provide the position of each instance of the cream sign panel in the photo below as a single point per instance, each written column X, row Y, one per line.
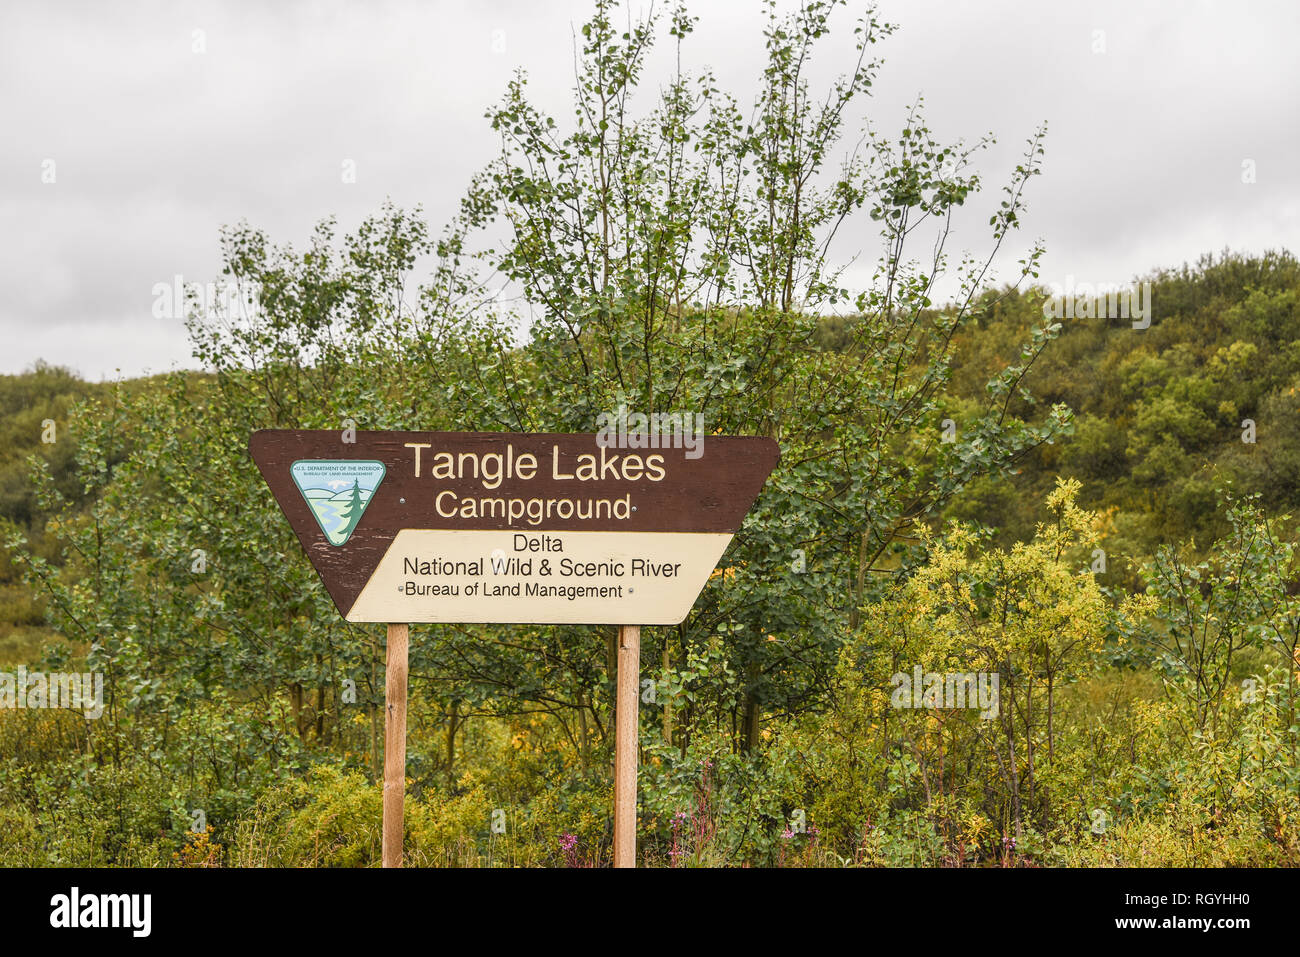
column 649, row 578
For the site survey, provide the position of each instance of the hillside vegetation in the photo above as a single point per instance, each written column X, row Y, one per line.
column 1146, row 732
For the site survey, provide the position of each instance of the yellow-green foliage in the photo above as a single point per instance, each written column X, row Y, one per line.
column 1029, row 615
column 333, row 819
column 329, row 819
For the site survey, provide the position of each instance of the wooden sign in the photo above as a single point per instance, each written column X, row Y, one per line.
column 499, row 527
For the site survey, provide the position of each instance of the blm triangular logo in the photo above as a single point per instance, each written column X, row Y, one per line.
column 337, row 491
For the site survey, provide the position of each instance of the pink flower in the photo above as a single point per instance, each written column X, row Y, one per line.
column 569, row 845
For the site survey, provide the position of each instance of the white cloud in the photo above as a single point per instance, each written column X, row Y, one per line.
column 157, row 146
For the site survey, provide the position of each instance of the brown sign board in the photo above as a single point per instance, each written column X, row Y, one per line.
column 503, row 527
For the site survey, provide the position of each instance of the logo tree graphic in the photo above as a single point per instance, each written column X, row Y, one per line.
column 353, row 511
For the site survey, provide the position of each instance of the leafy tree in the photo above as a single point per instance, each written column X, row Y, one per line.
column 1235, row 598
column 675, row 259
column 1028, row 615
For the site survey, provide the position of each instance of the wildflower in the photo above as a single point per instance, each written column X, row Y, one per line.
column 569, row 845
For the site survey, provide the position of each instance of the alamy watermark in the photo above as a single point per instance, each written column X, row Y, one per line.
column 37, row 689
column 946, row 691
column 177, row 299
column 75, row 909
column 1103, row 301
column 621, row 429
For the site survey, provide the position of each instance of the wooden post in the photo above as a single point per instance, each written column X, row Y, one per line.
column 395, row 745
column 626, row 707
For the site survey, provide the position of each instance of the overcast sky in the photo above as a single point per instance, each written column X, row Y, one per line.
column 1153, row 109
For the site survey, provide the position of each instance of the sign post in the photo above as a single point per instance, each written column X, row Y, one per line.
column 394, row 745
column 491, row 527
column 626, row 738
